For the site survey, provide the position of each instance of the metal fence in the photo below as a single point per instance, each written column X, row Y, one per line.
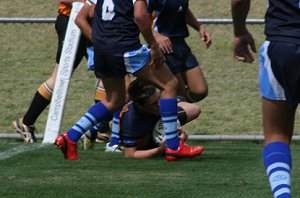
column 52, row 20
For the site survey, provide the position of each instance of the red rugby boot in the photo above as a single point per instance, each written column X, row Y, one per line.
column 68, row 148
column 183, row 151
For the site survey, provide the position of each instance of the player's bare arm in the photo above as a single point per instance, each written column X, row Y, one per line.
column 132, row 152
column 82, row 21
column 198, row 26
column 242, row 38
column 143, row 22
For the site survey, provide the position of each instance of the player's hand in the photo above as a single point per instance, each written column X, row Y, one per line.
column 164, row 43
column 157, row 57
column 205, row 36
column 241, row 46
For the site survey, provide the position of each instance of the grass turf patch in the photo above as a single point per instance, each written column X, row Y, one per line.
column 226, row 169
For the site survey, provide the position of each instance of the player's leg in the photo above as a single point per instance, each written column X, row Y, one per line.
column 100, row 93
column 41, row 99
column 193, row 76
column 115, row 91
column 101, row 131
column 191, row 82
column 167, row 82
column 197, row 88
column 114, row 144
column 181, row 87
column 188, row 112
column 103, row 127
column 278, row 122
column 163, row 78
column 175, row 64
column 127, row 83
column 279, row 76
column 114, row 100
column 111, row 70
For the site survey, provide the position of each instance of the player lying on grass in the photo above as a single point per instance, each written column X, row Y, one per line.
column 121, row 53
column 139, row 117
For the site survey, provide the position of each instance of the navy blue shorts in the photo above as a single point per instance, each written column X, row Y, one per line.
column 279, row 75
column 118, row 65
column 182, row 58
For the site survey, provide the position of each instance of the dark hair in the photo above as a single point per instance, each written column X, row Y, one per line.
column 139, row 91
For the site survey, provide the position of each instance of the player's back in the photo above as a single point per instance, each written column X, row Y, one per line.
column 283, row 21
column 171, row 17
column 114, row 29
column 136, row 125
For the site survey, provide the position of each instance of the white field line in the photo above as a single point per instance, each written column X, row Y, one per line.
column 20, row 149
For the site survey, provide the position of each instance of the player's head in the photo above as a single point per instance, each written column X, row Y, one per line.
column 145, row 96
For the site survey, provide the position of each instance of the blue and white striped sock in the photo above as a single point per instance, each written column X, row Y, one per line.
column 168, row 111
column 94, row 115
column 115, row 129
column 94, row 130
column 278, row 164
column 102, row 127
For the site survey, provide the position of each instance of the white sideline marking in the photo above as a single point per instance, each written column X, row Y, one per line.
column 20, row 149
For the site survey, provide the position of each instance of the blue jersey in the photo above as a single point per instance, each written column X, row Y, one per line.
column 170, row 19
column 114, row 29
column 135, row 125
column 283, row 21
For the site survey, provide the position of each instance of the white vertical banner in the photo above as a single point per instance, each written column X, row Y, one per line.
column 63, row 77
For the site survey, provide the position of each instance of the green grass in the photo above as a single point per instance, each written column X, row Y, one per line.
column 226, row 169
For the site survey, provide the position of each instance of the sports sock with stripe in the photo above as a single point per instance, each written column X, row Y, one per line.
column 115, row 129
column 278, row 164
column 94, row 115
column 168, row 111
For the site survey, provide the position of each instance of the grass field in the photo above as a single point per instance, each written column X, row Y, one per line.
column 225, row 170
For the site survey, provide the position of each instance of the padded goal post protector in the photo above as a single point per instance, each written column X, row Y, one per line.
column 63, row 77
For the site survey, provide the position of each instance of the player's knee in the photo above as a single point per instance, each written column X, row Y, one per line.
column 197, row 95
